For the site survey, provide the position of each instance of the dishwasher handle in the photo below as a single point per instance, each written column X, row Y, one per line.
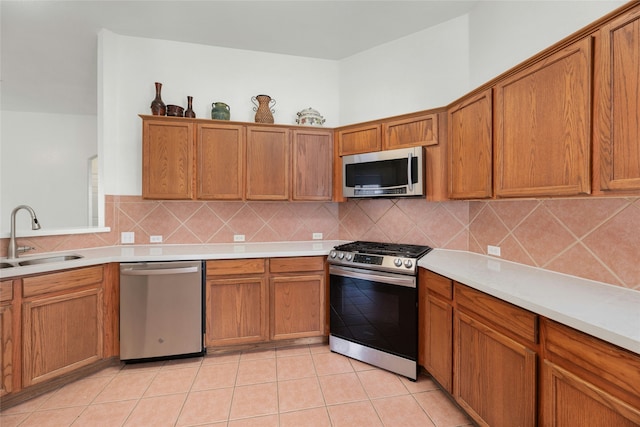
column 132, row 271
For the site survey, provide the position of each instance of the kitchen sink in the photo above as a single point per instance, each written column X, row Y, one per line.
column 6, row 265
column 57, row 258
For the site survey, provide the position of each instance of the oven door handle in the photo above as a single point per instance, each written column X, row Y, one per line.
column 391, row 279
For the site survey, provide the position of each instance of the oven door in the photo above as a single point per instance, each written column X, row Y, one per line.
column 375, row 309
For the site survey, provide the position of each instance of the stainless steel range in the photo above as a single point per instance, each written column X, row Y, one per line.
column 373, row 299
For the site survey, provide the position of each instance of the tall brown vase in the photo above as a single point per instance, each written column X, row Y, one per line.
column 264, row 112
column 189, row 111
column 158, row 108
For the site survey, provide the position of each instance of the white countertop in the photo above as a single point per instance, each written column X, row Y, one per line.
column 609, row 312
column 139, row 253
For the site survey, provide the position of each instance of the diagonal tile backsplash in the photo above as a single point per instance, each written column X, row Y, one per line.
column 594, row 238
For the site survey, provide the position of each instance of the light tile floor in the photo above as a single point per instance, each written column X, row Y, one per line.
column 305, row 386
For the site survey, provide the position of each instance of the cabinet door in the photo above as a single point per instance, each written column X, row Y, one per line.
column 312, row 164
column 236, row 310
column 410, row 132
column 220, row 150
column 297, row 306
column 568, row 400
column 435, row 327
column 617, row 104
column 543, row 127
column 267, row 163
column 360, row 139
column 7, row 346
column 6, row 349
column 470, row 147
column 437, row 340
column 167, row 159
column 494, row 376
column 61, row 333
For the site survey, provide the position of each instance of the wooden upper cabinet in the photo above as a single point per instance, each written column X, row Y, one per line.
column 167, row 159
column 410, row 132
column 360, row 139
column 470, row 147
column 617, row 104
column 543, row 128
column 267, row 163
column 312, row 164
column 220, row 153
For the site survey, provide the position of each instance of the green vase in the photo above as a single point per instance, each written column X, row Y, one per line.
column 220, row 111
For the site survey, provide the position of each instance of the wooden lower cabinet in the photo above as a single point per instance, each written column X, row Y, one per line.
column 512, row 367
column 495, row 376
column 569, row 400
column 586, row 381
column 494, row 367
column 62, row 323
column 237, row 302
column 297, row 291
column 256, row 300
column 7, row 341
column 435, row 327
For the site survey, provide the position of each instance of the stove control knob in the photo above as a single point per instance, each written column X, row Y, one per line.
column 408, row 263
column 349, row 257
column 397, row 262
column 333, row 254
column 340, row 255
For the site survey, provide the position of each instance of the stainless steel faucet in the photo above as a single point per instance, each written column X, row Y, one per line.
column 14, row 250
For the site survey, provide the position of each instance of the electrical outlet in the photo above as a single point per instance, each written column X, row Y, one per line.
column 493, row 250
column 127, row 237
column 155, row 239
column 238, row 237
column 317, row 236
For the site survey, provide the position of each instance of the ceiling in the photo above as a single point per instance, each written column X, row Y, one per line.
column 49, row 48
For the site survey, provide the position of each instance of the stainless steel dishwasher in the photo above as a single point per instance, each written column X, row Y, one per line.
column 161, row 310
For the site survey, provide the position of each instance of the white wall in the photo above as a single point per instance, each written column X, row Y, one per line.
column 504, row 33
column 210, row 74
column 425, row 70
column 44, row 164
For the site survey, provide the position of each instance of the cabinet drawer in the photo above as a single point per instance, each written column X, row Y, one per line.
column 502, row 314
column 296, row 264
column 602, row 363
column 225, row 267
column 6, row 290
column 54, row 282
column 438, row 284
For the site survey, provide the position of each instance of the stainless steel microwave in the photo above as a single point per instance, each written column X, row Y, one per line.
column 391, row 173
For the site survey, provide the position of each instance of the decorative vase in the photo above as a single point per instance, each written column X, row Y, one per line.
column 220, row 111
column 157, row 106
column 309, row 117
column 263, row 108
column 189, row 111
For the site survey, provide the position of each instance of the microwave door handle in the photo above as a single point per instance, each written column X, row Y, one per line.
column 409, row 174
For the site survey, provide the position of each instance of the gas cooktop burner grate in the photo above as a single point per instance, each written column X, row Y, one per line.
column 391, row 249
